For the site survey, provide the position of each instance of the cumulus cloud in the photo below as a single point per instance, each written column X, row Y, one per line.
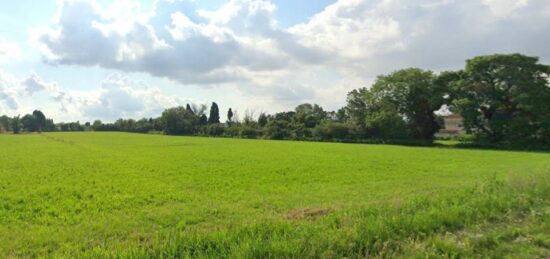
column 505, row 7
column 375, row 37
column 122, row 97
column 8, row 92
column 117, row 96
column 202, row 47
column 242, row 44
column 8, row 50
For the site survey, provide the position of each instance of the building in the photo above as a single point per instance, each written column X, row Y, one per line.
column 452, row 125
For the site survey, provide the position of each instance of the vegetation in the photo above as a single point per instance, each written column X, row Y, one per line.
column 505, row 98
column 129, row 195
column 502, row 98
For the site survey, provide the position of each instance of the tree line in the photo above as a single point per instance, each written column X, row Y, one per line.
column 504, row 99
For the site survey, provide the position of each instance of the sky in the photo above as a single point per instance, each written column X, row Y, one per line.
column 108, row 59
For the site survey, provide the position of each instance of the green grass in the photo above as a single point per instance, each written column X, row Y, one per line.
column 116, row 194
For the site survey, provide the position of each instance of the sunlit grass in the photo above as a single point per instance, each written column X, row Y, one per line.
column 92, row 194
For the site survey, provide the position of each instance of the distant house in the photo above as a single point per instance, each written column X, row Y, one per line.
column 452, row 125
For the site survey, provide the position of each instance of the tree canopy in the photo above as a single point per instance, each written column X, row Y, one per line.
column 503, row 99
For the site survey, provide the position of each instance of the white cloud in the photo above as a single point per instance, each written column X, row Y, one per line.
column 504, row 8
column 8, row 93
column 191, row 52
column 352, row 29
column 121, row 97
column 373, row 37
column 241, row 45
column 117, row 96
column 8, row 50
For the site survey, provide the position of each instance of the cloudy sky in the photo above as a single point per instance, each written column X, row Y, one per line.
column 106, row 59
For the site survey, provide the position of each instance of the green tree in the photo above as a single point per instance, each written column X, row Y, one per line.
column 177, row 121
column 97, row 125
column 203, row 120
column 309, row 115
column 504, row 98
column 40, row 120
column 29, row 123
column 16, row 125
column 50, row 125
column 356, row 107
column 4, row 123
column 262, row 120
column 214, row 117
column 411, row 94
column 279, row 127
column 229, row 117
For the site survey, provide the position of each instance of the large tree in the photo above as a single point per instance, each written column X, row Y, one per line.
column 356, row 107
column 40, row 120
column 29, row 123
column 408, row 95
column 505, row 98
column 214, row 117
column 310, row 115
column 177, row 121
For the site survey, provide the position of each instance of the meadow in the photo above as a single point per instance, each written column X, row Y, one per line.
column 130, row 195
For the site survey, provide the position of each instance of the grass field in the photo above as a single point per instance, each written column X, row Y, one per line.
column 129, row 195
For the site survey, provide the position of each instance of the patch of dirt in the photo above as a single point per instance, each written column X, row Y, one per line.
column 307, row 213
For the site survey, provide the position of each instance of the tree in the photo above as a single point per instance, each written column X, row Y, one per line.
column 229, row 116
column 262, row 120
column 97, row 125
column 309, row 115
column 214, row 114
column 504, row 98
column 278, row 126
column 356, row 107
column 412, row 95
column 40, row 120
column 50, row 125
column 4, row 123
column 340, row 115
column 16, row 125
column 177, row 121
column 29, row 123
column 203, row 120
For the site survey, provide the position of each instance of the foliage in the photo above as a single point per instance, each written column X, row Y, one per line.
column 39, row 120
column 214, row 114
column 229, row 117
column 16, row 125
column 504, row 98
column 177, row 121
column 410, row 94
column 334, row 131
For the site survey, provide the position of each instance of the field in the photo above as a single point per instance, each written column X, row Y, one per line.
column 130, row 195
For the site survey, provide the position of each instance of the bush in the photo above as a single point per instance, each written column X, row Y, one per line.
column 214, row 129
column 232, row 131
column 249, row 132
column 334, row 130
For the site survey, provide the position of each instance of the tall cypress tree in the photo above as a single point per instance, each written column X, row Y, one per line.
column 214, row 114
column 229, row 116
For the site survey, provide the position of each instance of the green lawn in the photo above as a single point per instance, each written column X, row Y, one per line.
column 107, row 194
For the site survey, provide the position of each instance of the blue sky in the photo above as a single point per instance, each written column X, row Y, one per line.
column 105, row 59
